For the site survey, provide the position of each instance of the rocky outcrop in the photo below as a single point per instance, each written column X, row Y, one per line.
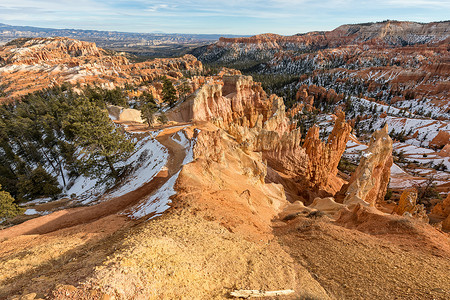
column 407, row 202
column 230, row 183
column 214, row 147
column 49, row 50
column 443, row 209
column 370, row 180
column 446, row 224
column 238, row 99
column 407, row 205
column 324, row 157
column 53, row 61
column 327, row 205
column 441, row 139
column 257, row 122
column 121, row 114
column 445, row 152
column 308, row 93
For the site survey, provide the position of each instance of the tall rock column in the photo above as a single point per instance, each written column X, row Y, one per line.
column 370, row 180
column 324, row 157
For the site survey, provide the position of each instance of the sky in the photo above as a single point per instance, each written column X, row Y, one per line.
column 240, row 17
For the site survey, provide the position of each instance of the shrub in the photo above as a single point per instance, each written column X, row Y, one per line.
column 8, row 208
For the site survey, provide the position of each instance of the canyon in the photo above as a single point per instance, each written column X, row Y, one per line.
column 239, row 188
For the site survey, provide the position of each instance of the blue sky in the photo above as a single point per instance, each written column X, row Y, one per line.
column 223, row 17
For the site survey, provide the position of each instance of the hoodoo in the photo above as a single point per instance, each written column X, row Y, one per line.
column 324, row 157
column 369, row 183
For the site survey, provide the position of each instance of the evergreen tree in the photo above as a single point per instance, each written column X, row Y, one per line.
column 184, row 89
column 102, row 143
column 148, row 107
column 39, row 183
column 147, row 97
column 115, row 97
column 147, row 112
column 8, row 208
column 163, row 118
column 37, row 131
column 169, row 94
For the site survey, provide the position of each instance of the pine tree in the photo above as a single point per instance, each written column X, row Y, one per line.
column 184, row 89
column 147, row 112
column 39, row 183
column 8, row 208
column 148, row 107
column 169, row 94
column 102, row 143
column 147, row 97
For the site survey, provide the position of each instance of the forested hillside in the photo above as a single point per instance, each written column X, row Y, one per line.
column 50, row 137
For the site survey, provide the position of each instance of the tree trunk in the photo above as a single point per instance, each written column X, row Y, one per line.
column 111, row 167
column 62, row 172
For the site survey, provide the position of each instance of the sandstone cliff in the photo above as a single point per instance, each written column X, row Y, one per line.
column 257, row 122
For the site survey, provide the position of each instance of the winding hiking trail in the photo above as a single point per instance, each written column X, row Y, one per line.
column 76, row 216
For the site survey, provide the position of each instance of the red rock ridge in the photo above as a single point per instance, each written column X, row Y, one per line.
column 383, row 33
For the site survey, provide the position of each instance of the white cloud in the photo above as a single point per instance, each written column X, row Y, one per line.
column 419, row 3
column 237, row 16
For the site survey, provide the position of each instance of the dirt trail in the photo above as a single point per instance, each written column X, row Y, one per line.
column 76, row 216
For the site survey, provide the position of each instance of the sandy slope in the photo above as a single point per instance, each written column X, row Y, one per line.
column 351, row 264
column 38, row 246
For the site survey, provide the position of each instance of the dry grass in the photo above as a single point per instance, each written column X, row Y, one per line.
column 351, row 264
column 37, row 263
column 181, row 256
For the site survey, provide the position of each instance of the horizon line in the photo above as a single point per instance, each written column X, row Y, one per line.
column 219, row 34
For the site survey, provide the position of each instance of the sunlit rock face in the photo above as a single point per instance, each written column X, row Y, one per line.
column 369, row 182
column 28, row 65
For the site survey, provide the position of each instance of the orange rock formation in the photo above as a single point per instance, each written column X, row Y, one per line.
column 407, row 205
column 370, row 180
column 324, row 158
column 30, row 65
column 443, row 210
column 257, row 122
column 441, row 139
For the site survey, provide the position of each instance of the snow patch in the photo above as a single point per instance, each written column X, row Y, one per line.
column 36, row 201
column 32, row 211
column 396, row 170
column 150, row 158
column 157, row 203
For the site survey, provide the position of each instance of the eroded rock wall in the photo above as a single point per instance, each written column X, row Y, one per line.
column 256, row 121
